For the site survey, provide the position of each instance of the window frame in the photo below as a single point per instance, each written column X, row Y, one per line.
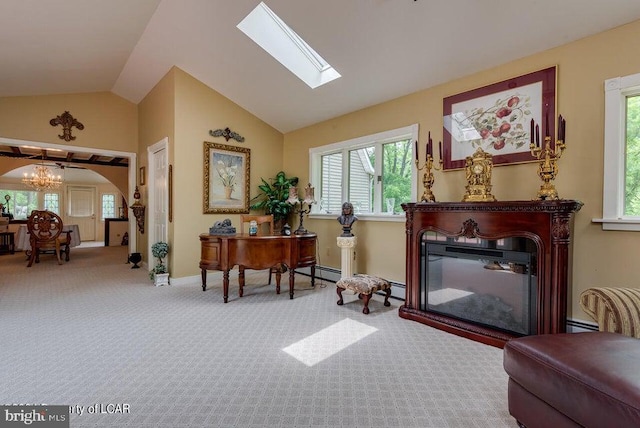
column 409, row 132
column 616, row 91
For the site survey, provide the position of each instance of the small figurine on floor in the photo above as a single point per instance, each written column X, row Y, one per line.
column 347, row 219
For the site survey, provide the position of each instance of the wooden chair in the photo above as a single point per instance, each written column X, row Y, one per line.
column 45, row 234
column 262, row 220
column 265, row 227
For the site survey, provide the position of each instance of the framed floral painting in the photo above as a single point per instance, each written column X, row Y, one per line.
column 497, row 118
column 226, row 178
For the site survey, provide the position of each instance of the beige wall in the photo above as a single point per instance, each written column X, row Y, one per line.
column 157, row 121
column 600, row 258
column 110, row 122
column 199, row 109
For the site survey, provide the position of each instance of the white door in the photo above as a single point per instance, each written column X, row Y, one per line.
column 160, row 195
column 158, row 191
column 81, row 210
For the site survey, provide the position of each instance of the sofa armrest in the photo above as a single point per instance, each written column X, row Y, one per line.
column 616, row 310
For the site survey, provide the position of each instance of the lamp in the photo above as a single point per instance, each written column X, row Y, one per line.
column 309, row 199
column 42, row 179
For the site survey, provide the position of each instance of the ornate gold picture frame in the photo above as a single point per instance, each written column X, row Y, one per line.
column 226, row 178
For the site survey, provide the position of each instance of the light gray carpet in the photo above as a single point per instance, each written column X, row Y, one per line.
column 95, row 331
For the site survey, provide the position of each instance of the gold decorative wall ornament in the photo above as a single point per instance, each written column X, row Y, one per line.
column 67, row 121
column 547, row 157
column 478, row 172
column 227, row 134
column 138, row 210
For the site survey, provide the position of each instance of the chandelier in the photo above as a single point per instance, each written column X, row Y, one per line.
column 42, row 179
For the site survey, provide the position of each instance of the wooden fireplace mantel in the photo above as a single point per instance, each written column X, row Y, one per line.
column 547, row 223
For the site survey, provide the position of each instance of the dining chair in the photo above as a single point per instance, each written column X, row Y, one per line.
column 45, row 234
column 265, row 227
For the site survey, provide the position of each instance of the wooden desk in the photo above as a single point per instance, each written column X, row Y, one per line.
column 223, row 252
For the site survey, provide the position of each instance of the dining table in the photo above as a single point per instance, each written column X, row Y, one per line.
column 22, row 237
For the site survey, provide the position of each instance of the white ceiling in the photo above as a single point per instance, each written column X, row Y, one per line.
column 382, row 48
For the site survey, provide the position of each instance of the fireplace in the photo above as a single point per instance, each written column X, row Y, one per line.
column 489, row 271
column 489, row 282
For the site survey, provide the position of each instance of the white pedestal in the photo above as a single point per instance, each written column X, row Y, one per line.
column 347, row 245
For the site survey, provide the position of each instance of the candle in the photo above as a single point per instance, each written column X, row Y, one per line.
column 538, row 136
column 561, row 128
column 547, row 123
column 440, row 147
column 532, row 130
column 429, row 146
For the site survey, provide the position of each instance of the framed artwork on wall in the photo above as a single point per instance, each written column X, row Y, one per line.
column 226, row 178
column 143, row 172
column 497, row 118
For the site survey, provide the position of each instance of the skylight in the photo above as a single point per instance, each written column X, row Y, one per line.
column 273, row 35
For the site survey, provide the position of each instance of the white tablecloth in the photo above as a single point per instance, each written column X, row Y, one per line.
column 22, row 237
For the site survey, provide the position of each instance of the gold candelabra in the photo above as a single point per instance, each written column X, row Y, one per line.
column 429, row 166
column 547, row 157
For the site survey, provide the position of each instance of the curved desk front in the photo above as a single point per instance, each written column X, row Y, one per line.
column 223, row 252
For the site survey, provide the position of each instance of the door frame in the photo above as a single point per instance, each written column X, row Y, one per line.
column 132, row 177
column 151, row 190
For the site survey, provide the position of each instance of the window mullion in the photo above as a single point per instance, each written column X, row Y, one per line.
column 345, row 175
column 377, row 179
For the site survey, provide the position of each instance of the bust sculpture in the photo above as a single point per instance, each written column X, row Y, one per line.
column 347, row 218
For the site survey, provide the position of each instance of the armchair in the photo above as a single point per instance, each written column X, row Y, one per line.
column 616, row 310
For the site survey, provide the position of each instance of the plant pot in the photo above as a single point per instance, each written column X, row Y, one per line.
column 135, row 258
column 161, row 279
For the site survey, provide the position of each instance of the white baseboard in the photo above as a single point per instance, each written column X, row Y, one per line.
column 580, row 326
column 322, row 272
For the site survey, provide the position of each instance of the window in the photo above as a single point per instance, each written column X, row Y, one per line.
column 273, row 35
column 632, row 164
column 108, row 206
column 21, row 202
column 52, row 202
column 621, row 190
column 375, row 173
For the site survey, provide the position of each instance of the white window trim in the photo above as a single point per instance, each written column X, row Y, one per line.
column 408, row 132
column 615, row 92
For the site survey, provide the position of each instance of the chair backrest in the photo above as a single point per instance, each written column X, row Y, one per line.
column 260, row 220
column 44, row 227
column 4, row 224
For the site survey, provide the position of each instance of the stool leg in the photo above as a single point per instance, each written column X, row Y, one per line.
column 365, row 300
column 386, row 297
column 339, row 291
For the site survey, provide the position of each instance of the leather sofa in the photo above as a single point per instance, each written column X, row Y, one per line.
column 574, row 380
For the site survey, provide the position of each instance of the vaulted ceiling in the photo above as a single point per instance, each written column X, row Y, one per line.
column 382, row 48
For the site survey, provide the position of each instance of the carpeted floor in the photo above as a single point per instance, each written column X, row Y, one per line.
column 94, row 332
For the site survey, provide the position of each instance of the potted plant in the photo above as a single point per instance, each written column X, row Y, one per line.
column 273, row 198
column 160, row 274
